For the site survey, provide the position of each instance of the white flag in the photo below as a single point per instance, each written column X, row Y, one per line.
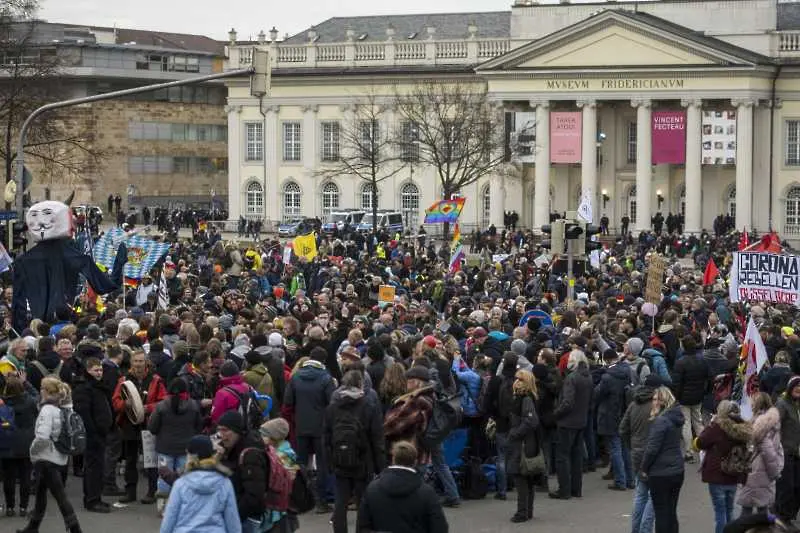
column 585, row 207
column 5, row 259
column 163, row 299
column 753, row 349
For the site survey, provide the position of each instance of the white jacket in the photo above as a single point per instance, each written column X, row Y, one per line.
column 48, row 428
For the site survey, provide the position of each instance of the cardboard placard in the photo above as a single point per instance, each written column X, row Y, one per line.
column 386, row 294
column 655, row 279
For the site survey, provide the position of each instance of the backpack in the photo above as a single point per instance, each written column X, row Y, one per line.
column 483, row 395
column 348, row 440
column 475, row 484
column 445, row 417
column 248, row 408
column 8, row 426
column 739, row 460
column 279, row 489
column 47, row 373
column 72, row 438
column 263, row 386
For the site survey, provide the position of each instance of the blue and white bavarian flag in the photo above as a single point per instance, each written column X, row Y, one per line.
column 143, row 253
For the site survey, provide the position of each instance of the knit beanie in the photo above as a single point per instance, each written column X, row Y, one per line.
column 232, row 420
column 200, row 445
column 276, row 429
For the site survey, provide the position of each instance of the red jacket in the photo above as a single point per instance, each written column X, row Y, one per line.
column 155, row 392
column 716, row 440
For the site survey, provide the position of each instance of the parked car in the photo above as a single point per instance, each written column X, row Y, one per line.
column 296, row 226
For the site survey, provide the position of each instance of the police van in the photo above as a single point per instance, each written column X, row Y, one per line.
column 341, row 218
column 391, row 221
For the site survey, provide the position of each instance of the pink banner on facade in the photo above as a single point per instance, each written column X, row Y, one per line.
column 669, row 137
column 565, row 136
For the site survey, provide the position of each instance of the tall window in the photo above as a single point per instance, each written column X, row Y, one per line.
column 682, row 206
column 254, row 141
column 330, row 199
column 632, row 204
column 366, row 197
column 791, row 223
column 792, row 142
column 369, row 133
column 409, row 203
column 291, row 141
column 330, row 141
column 409, row 151
column 486, row 207
column 730, row 202
column 291, row 201
column 254, row 203
column 631, row 142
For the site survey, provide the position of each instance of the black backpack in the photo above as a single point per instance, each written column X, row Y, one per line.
column 248, row 408
column 72, row 438
column 348, row 440
column 445, row 417
column 475, row 484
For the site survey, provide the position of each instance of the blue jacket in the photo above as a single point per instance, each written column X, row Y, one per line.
column 662, row 452
column 470, row 389
column 659, row 364
column 202, row 501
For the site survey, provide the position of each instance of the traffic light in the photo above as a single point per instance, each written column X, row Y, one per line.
column 591, row 244
column 20, row 235
column 556, row 241
column 573, row 230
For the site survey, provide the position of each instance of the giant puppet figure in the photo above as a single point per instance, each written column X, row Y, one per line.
column 46, row 277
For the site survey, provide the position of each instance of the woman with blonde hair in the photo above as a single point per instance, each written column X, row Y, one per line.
column 393, row 385
column 662, row 464
column 47, row 459
column 758, row 493
column 523, row 439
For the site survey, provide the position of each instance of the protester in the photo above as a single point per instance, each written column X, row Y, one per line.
column 758, row 493
column 609, row 398
column 202, row 498
column 14, row 453
column 787, row 490
column 523, row 441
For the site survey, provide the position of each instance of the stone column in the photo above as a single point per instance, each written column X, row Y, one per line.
column 694, row 168
column 644, row 164
column 309, row 138
column 588, row 150
column 235, row 147
column 541, row 184
column 744, row 162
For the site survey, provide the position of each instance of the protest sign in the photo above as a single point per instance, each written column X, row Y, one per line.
column 765, row 277
column 386, row 294
column 655, row 279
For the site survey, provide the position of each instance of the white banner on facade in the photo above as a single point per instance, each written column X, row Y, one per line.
column 523, row 137
column 719, row 138
column 763, row 276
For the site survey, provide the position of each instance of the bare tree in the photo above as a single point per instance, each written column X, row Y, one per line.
column 58, row 144
column 458, row 131
column 366, row 149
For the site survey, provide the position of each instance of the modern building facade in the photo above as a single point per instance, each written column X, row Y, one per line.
column 686, row 106
column 163, row 148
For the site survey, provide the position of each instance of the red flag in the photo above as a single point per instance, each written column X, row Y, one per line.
column 744, row 240
column 769, row 243
column 711, row 273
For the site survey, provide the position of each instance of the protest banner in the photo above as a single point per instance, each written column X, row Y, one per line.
column 386, row 294
column 655, row 279
column 764, row 277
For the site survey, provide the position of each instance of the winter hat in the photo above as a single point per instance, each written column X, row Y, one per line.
column 276, row 429
column 478, row 333
column 136, row 313
column 518, row 346
column 228, row 369
column 430, row 341
column 180, row 349
column 258, row 340
column 120, row 314
column 534, row 324
column 653, row 381
column 275, row 339
column 232, row 420
column 225, row 322
column 418, row 372
column 241, row 340
column 635, row 345
column 200, row 446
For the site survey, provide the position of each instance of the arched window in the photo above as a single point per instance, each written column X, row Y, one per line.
column 291, row 201
column 486, row 207
column 730, row 202
column 791, row 224
column 254, row 204
column 632, row 205
column 366, row 196
column 330, row 199
column 409, row 203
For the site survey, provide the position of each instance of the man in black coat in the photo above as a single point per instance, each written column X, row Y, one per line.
column 91, row 403
column 571, row 415
column 47, row 363
column 399, row 501
column 691, row 379
column 112, row 371
column 609, row 397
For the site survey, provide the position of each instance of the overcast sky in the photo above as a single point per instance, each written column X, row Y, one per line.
column 214, row 17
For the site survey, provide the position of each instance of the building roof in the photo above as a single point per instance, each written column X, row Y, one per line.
column 175, row 41
column 493, row 24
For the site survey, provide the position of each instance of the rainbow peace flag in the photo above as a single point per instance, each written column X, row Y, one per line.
column 456, row 250
column 444, row 211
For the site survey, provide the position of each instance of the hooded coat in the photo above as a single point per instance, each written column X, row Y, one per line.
column 202, row 501
column 790, row 421
column 635, row 424
column 370, row 416
column 609, row 396
column 717, row 439
column 25, row 412
column 226, row 398
column 662, row 453
column 398, row 501
column 309, row 393
column 759, row 490
column 173, row 430
column 572, row 410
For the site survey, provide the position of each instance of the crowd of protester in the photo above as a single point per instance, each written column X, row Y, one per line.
column 261, row 390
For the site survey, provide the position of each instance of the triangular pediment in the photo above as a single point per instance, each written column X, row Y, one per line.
column 617, row 38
